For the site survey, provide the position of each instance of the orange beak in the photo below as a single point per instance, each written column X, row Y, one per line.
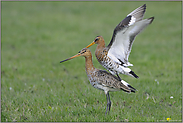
column 71, row 57
column 91, row 44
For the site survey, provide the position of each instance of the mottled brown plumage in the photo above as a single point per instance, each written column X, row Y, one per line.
column 101, row 79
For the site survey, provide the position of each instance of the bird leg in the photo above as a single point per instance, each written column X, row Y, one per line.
column 108, row 103
column 118, row 77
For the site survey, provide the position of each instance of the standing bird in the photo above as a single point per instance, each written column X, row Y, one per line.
column 101, row 79
column 114, row 57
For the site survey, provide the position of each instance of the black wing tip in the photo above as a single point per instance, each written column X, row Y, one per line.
column 142, row 9
column 151, row 18
column 127, row 91
column 144, row 5
column 133, row 74
column 133, row 91
column 132, row 88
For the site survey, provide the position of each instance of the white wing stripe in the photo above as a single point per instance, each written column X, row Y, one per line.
column 132, row 21
column 125, row 83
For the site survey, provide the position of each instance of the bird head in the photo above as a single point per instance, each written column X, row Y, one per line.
column 96, row 41
column 84, row 52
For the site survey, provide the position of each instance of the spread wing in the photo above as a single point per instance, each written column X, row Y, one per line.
column 125, row 33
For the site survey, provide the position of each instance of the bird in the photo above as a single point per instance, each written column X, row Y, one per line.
column 114, row 56
column 102, row 79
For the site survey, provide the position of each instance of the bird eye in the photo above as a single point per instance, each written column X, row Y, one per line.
column 96, row 39
column 84, row 51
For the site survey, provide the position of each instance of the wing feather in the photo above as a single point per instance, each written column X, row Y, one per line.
column 125, row 33
column 108, row 80
column 111, row 81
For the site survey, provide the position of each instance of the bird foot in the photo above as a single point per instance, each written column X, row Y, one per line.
column 108, row 107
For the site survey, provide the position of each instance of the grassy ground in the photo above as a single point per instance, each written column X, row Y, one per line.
column 36, row 87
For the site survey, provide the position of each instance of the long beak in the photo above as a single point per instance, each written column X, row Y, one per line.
column 91, row 44
column 71, row 57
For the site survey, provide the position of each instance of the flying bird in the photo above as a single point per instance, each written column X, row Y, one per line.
column 114, row 56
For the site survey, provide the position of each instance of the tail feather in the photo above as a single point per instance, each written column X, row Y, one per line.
column 127, row 71
column 132, row 88
column 129, row 86
column 133, row 74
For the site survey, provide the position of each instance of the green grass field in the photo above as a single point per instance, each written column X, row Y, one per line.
column 36, row 36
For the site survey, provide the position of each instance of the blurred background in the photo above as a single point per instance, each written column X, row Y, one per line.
column 36, row 36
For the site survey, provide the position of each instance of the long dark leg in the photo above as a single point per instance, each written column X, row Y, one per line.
column 108, row 103
column 118, row 77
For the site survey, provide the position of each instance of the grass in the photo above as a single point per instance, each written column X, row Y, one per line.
column 36, row 87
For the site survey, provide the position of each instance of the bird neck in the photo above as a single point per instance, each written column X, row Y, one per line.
column 99, row 52
column 89, row 64
column 99, row 49
column 101, row 45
